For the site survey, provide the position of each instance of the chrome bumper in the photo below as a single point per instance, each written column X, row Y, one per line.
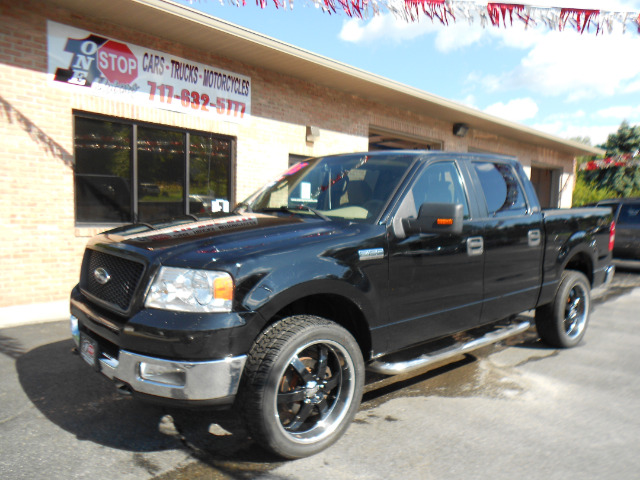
column 208, row 380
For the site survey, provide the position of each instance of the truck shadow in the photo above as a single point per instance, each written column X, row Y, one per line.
column 87, row 405
column 63, row 388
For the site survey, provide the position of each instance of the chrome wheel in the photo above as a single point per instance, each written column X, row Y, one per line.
column 576, row 309
column 563, row 322
column 301, row 386
column 315, row 391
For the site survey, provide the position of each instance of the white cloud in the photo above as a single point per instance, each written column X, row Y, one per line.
column 387, row 27
column 469, row 101
column 517, row 110
column 632, row 87
column 597, row 133
column 596, row 125
column 621, row 112
column 457, row 36
column 564, row 116
column 562, row 64
column 382, row 27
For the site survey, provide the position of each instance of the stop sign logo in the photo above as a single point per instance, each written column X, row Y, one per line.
column 117, row 62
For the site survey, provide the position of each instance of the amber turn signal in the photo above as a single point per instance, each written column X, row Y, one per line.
column 445, row 221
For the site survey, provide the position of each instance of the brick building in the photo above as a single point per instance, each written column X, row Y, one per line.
column 187, row 113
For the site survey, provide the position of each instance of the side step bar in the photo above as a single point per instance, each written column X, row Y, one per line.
column 396, row 368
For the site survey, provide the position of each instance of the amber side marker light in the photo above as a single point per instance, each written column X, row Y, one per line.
column 444, row 221
column 223, row 288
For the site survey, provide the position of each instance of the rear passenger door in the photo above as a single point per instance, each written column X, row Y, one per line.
column 513, row 240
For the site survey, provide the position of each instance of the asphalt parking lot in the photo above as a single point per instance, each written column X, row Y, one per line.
column 516, row 409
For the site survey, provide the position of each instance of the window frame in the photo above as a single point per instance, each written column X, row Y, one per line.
column 134, row 177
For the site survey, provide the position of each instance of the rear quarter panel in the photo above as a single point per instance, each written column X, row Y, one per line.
column 572, row 235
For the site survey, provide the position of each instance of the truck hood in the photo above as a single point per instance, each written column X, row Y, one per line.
column 222, row 239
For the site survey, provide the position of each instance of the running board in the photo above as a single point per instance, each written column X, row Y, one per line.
column 395, row 368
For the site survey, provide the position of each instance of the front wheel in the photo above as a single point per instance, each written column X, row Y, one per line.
column 563, row 322
column 301, row 386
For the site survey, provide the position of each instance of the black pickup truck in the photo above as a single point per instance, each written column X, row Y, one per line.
column 380, row 261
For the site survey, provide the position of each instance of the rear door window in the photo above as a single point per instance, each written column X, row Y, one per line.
column 502, row 190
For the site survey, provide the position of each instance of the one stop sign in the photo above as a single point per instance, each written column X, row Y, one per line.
column 117, row 62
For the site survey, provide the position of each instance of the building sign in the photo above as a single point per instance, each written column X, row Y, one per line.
column 124, row 72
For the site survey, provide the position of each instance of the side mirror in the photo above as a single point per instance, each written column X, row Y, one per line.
column 440, row 218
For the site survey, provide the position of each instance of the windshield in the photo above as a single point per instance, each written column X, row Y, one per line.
column 349, row 187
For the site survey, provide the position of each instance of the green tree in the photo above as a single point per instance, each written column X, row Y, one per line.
column 612, row 177
column 625, row 140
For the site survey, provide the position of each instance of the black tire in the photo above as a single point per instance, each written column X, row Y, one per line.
column 563, row 322
column 301, row 386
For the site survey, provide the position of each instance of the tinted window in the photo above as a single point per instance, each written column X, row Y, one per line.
column 160, row 174
column 104, row 172
column 209, row 174
column 439, row 183
column 501, row 188
column 629, row 214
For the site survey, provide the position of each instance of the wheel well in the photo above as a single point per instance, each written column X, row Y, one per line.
column 334, row 308
column 582, row 263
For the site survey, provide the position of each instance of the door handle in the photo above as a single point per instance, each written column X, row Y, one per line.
column 535, row 237
column 475, row 246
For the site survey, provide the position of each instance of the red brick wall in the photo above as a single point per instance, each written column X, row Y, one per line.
column 40, row 246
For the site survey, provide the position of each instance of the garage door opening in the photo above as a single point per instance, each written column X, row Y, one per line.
column 382, row 139
column 546, row 184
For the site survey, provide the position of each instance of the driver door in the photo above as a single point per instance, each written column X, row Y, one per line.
column 435, row 280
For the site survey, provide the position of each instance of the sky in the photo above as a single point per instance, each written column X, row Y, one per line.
column 562, row 83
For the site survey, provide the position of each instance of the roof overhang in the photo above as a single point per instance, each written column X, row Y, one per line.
column 184, row 25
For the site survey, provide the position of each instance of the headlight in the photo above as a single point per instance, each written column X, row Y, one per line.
column 187, row 290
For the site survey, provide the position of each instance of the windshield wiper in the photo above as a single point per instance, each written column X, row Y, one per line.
column 286, row 209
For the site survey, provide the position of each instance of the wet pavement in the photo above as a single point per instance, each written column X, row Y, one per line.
column 513, row 409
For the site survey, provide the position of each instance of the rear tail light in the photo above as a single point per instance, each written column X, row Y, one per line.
column 612, row 235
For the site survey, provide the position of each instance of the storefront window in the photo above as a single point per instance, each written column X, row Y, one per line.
column 160, row 174
column 103, row 171
column 105, row 167
column 209, row 174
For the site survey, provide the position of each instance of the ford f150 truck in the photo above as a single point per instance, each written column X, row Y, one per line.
column 380, row 261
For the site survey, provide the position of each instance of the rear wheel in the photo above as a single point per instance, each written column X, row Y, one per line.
column 563, row 322
column 302, row 385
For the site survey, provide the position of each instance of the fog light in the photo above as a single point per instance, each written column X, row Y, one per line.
column 75, row 332
column 168, row 374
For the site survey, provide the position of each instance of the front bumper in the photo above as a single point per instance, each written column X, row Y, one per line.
column 196, row 381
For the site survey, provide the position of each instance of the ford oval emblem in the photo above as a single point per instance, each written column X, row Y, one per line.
column 101, row 275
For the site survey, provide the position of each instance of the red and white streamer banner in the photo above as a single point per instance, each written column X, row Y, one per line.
column 510, row 14
column 493, row 13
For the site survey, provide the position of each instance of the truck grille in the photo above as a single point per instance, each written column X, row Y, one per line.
column 124, row 277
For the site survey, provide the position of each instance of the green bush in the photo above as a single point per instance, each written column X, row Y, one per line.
column 614, row 182
column 585, row 193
